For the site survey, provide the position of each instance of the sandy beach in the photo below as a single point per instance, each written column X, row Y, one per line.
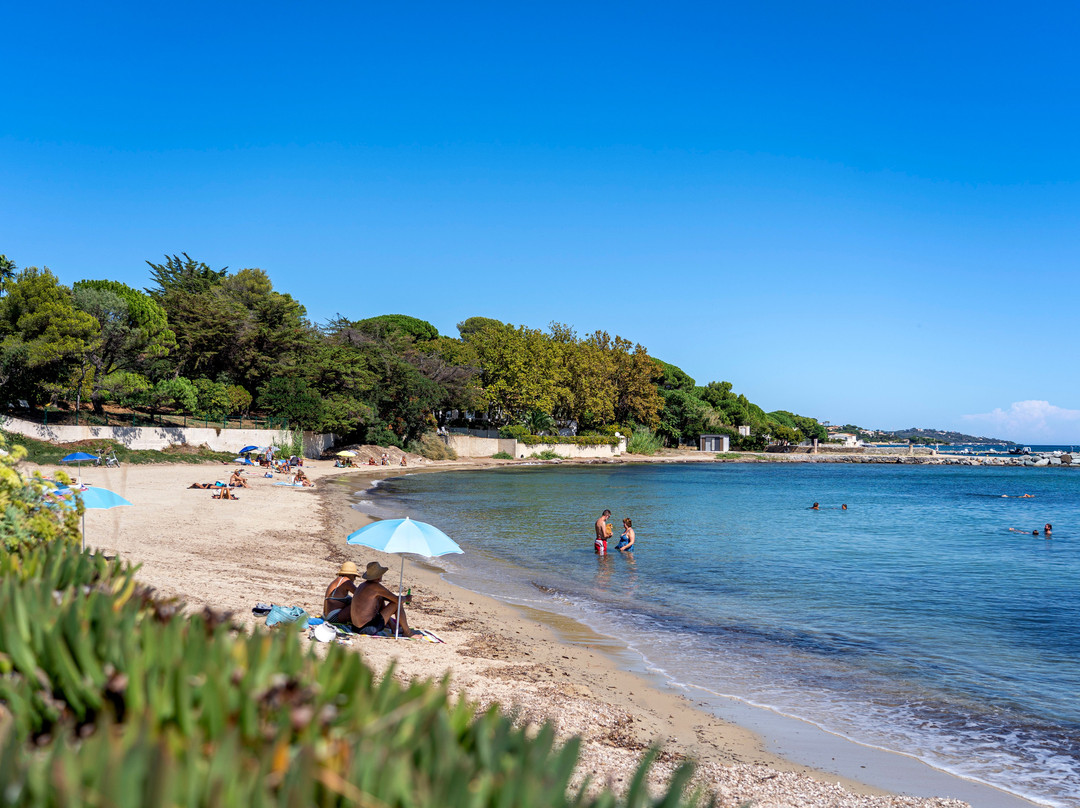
column 283, row 545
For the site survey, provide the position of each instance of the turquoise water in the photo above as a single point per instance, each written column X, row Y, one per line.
column 914, row 620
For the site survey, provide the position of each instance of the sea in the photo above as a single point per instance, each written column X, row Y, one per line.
column 924, row 619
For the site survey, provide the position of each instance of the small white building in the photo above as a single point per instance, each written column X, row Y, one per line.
column 713, row 443
column 744, row 431
column 846, row 437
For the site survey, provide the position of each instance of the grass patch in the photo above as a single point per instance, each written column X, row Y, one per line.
column 502, row 456
column 728, row 455
column 49, row 454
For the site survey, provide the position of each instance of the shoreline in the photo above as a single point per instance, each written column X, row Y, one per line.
column 283, row 545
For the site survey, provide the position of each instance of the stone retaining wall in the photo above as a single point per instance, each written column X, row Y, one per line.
column 470, row 446
column 162, row 437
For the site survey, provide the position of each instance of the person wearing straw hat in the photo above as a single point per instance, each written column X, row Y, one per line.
column 338, row 599
column 374, row 606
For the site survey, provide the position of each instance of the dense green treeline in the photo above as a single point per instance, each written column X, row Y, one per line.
column 216, row 343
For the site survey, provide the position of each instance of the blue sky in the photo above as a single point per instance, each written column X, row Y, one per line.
column 858, row 213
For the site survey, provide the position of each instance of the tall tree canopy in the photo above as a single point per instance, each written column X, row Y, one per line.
column 44, row 338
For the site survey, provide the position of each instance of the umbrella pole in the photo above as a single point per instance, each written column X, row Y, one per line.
column 84, row 531
column 401, row 580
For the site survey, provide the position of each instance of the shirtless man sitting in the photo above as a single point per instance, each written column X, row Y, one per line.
column 338, row 599
column 237, row 481
column 373, row 605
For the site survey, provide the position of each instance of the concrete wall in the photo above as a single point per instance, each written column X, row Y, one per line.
column 469, row 446
column 572, row 450
column 161, row 437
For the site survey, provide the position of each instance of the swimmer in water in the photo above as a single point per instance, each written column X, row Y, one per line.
column 815, row 507
column 1048, row 529
column 843, row 507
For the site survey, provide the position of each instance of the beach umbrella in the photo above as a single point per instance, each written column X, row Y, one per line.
column 346, row 453
column 78, row 458
column 247, row 449
column 94, row 499
column 404, row 536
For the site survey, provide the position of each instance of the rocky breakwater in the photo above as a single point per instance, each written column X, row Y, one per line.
column 1032, row 460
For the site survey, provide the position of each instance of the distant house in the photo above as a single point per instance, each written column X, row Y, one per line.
column 846, row 437
column 744, row 431
column 713, row 443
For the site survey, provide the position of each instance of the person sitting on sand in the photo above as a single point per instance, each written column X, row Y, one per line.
column 236, row 480
column 301, row 479
column 403, row 461
column 371, row 461
column 375, row 606
column 337, row 602
column 626, row 540
column 603, row 533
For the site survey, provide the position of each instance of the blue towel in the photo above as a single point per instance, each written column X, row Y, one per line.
column 287, row 614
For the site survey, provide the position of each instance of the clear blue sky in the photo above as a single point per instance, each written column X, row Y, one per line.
column 856, row 212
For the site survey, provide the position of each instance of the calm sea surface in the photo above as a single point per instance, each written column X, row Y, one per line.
column 915, row 620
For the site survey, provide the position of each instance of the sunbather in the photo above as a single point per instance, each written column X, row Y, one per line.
column 237, row 480
column 375, row 606
column 224, row 493
column 339, row 594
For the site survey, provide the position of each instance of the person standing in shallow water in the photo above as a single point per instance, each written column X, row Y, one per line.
column 603, row 533
column 626, row 540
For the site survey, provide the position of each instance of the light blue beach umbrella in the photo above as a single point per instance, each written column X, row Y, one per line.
column 97, row 499
column 404, row 536
column 78, row 458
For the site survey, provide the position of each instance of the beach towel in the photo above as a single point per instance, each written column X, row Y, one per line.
column 295, row 485
column 287, row 614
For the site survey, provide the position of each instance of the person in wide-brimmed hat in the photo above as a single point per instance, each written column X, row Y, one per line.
column 376, row 607
column 339, row 595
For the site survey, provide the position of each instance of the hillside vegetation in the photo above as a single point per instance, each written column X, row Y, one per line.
column 216, row 343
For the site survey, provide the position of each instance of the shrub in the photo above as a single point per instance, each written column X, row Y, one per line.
column 212, row 398
column 547, row 454
column 378, row 433
column 515, row 431
column 502, row 456
column 239, row 398
column 572, row 440
column 432, row 447
column 643, row 441
column 28, row 515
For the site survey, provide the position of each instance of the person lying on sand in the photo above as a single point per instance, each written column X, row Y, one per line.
column 375, row 606
column 225, row 493
column 337, row 602
column 236, row 480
